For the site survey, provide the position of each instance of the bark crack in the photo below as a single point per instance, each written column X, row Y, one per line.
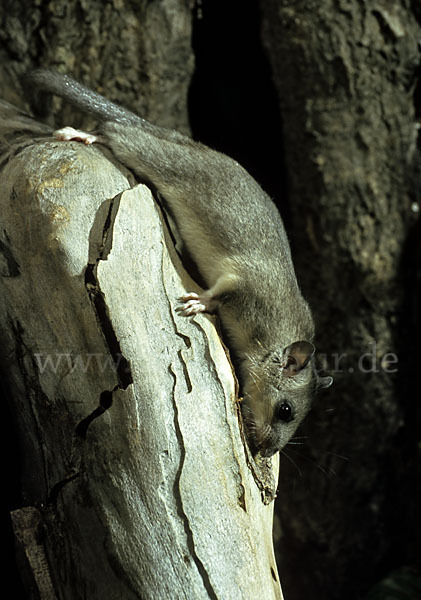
column 99, row 250
column 79, row 437
column 33, row 389
column 241, row 496
column 97, row 298
column 179, row 501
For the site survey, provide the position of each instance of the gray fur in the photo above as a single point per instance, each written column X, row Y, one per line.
column 235, row 234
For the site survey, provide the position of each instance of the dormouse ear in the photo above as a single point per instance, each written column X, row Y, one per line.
column 324, row 382
column 296, row 357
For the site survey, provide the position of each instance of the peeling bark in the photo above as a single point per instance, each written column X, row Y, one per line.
column 133, row 456
column 31, row 554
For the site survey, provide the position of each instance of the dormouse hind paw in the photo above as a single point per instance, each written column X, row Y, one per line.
column 192, row 304
column 69, row 134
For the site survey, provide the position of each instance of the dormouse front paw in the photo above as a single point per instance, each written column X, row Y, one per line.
column 192, row 304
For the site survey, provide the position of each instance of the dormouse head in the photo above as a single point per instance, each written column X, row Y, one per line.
column 278, row 391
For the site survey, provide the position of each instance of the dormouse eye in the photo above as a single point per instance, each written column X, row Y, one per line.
column 284, row 412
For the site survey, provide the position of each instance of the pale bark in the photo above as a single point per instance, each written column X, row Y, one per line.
column 135, row 477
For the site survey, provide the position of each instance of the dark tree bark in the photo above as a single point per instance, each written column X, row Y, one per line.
column 346, row 73
column 136, row 53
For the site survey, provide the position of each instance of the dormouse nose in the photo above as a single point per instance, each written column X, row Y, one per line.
column 268, row 451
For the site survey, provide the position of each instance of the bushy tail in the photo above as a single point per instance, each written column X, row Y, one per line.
column 40, row 84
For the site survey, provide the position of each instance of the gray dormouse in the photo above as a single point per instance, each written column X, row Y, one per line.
column 236, row 237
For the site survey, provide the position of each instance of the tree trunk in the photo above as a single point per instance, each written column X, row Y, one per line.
column 138, row 55
column 345, row 75
column 135, row 477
